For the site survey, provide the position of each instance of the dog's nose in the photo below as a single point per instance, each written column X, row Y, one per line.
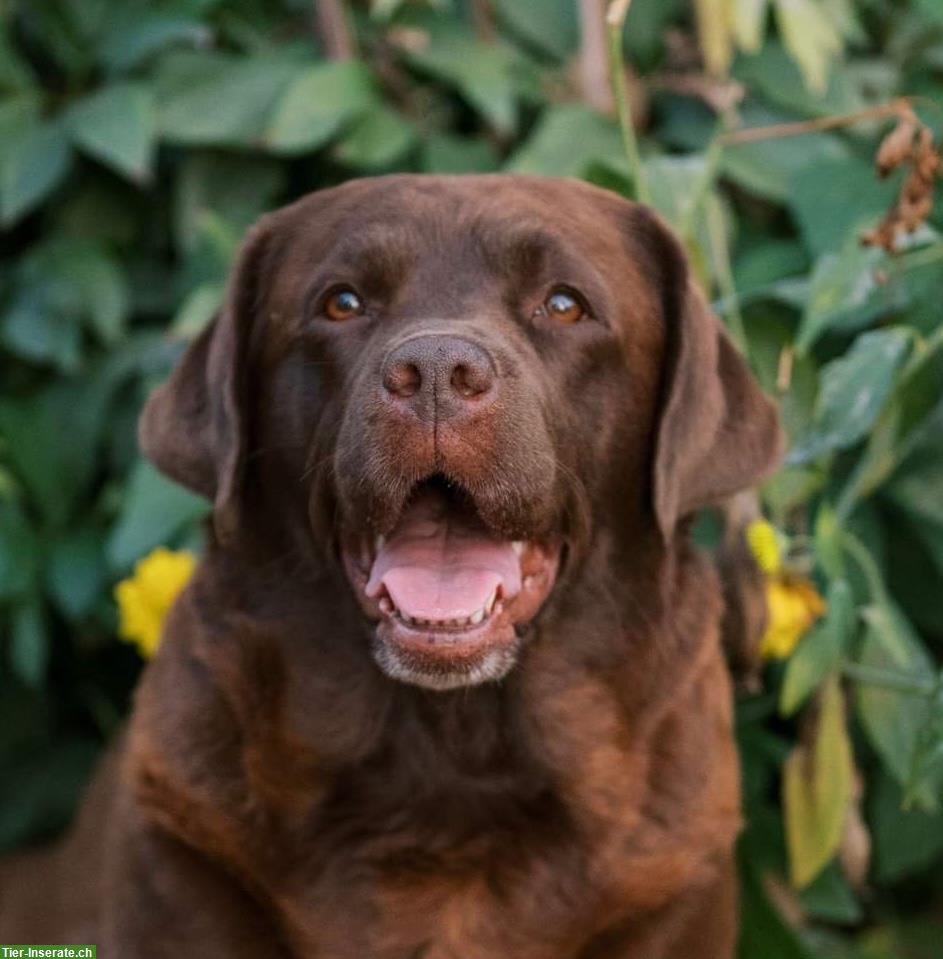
column 439, row 375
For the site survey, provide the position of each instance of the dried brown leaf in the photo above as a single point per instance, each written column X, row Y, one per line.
column 897, row 147
column 910, row 142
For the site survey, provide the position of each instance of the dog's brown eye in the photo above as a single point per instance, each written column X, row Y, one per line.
column 342, row 305
column 564, row 307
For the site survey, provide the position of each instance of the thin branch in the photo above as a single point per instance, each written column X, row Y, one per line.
column 615, row 23
column 482, row 20
column 334, row 30
column 594, row 74
column 777, row 130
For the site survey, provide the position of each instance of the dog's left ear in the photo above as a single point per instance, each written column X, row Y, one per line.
column 194, row 426
column 718, row 432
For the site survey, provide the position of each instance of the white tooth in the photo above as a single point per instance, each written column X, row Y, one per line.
column 518, row 547
column 385, row 605
column 477, row 617
column 378, row 543
column 489, row 605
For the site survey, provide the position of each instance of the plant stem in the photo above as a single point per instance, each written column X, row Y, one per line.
column 724, row 272
column 887, row 679
column 483, row 20
column 615, row 22
column 334, row 30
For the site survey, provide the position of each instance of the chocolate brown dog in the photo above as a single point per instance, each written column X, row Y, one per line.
column 447, row 683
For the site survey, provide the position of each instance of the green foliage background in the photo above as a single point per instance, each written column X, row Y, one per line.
column 139, row 139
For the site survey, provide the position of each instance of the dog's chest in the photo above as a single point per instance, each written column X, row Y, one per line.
column 442, row 908
column 492, row 870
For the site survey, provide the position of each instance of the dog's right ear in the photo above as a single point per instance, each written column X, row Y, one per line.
column 194, row 426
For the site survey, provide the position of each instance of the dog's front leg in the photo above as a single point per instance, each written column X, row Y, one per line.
column 164, row 899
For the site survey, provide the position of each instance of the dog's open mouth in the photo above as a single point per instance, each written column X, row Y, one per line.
column 448, row 594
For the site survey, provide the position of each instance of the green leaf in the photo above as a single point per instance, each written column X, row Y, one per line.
column 817, row 790
column 155, row 510
column 197, row 310
column 646, row 28
column 566, row 141
column 136, row 33
column 674, row 185
column 61, row 285
column 18, row 115
column 927, row 764
column 29, row 643
column 829, row 543
column 905, row 840
column 847, row 293
column 836, row 199
column 486, row 74
column 233, row 189
column 770, row 332
column 314, row 109
column 820, row 650
column 932, row 8
column 15, row 72
column 917, row 490
column 35, row 161
column 829, row 898
column 891, row 719
column 19, row 551
column 767, row 167
column 217, row 99
column 33, row 332
column 775, row 75
column 75, row 572
column 53, row 437
column 549, row 26
column 765, row 262
column 900, row 427
column 452, row 154
column 376, row 141
column 854, row 389
column 117, row 125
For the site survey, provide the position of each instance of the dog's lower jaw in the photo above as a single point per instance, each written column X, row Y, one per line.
column 492, row 666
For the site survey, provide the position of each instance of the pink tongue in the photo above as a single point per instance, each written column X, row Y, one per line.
column 441, row 564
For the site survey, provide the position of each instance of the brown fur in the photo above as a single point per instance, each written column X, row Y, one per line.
column 276, row 795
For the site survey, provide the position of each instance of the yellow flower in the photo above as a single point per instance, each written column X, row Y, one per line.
column 793, row 604
column 764, row 545
column 145, row 598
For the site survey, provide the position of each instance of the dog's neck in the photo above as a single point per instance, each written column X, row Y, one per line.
column 631, row 623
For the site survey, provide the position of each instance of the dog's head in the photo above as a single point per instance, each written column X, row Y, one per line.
column 453, row 385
